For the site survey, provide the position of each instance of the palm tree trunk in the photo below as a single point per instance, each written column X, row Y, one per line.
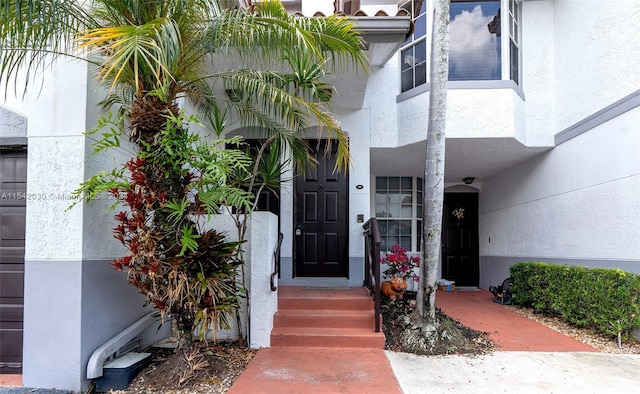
column 424, row 313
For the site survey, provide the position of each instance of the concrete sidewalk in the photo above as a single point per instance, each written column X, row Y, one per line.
column 517, row 372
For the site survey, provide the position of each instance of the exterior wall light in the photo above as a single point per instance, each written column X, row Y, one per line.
column 468, row 180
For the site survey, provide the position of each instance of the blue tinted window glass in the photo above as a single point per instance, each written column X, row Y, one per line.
column 420, row 29
column 474, row 41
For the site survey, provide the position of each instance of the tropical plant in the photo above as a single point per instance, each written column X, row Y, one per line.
column 259, row 66
column 179, row 264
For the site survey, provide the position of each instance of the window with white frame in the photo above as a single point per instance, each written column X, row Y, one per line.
column 514, row 40
column 475, row 42
column 398, row 204
column 475, row 50
column 413, row 55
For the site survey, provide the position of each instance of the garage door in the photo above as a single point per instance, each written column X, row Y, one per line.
column 13, row 186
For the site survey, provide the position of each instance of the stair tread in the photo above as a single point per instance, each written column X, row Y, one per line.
column 320, row 331
column 324, row 294
column 325, row 312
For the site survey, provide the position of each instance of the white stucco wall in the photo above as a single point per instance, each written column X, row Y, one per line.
column 263, row 233
column 311, row 7
column 56, row 120
column 98, row 222
column 580, row 200
column 380, row 101
column 358, row 124
column 537, row 73
column 601, row 37
column 478, row 113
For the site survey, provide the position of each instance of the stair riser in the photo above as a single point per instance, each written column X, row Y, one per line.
column 358, row 304
column 284, row 320
column 376, row 342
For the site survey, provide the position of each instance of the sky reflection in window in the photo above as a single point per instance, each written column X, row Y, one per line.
column 474, row 51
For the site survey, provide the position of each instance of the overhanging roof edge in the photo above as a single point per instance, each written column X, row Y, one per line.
column 383, row 25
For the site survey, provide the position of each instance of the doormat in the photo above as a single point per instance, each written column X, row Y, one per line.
column 467, row 288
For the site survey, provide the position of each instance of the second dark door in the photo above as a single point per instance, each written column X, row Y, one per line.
column 460, row 239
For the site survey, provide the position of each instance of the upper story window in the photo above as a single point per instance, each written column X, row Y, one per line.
column 475, row 52
column 414, row 53
column 475, row 42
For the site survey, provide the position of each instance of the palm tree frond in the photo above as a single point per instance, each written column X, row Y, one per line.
column 35, row 32
column 144, row 56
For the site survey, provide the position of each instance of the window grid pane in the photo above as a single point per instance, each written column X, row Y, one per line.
column 514, row 64
column 414, row 54
column 414, row 65
column 396, row 208
column 514, row 41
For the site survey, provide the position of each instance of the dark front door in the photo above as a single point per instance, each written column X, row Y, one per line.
column 320, row 219
column 460, row 238
column 13, row 187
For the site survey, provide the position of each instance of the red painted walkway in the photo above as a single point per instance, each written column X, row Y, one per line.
column 280, row 370
column 509, row 330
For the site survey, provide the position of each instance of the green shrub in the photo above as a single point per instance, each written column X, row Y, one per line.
column 607, row 300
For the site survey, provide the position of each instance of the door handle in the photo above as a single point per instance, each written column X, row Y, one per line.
column 298, row 230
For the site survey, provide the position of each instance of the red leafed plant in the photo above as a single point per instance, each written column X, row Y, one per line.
column 165, row 194
column 400, row 264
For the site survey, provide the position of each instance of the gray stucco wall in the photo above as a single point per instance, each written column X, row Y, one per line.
column 73, row 308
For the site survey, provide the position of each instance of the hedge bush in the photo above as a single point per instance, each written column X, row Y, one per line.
column 607, row 300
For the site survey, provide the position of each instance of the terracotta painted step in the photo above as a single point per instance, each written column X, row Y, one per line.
column 320, row 304
column 324, row 292
column 324, row 318
column 326, row 337
column 302, row 298
column 296, row 297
